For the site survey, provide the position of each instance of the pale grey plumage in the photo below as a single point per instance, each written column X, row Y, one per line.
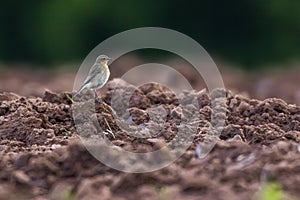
column 98, row 75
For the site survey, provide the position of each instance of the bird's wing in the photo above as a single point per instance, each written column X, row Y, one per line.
column 95, row 69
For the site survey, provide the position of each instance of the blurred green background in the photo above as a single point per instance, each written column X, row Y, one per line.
column 249, row 33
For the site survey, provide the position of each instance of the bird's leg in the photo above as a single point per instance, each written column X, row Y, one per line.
column 97, row 97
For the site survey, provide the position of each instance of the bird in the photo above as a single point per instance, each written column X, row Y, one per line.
column 97, row 76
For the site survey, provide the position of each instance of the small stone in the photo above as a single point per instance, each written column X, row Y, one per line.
column 55, row 146
column 159, row 143
column 22, row 160
column 1, row 120
column 236, row 138
column 176, row 112
column 21, row 177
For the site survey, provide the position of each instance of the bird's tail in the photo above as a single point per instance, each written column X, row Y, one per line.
column 80, row 89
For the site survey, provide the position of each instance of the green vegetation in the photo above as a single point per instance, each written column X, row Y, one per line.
column 70, row 98
column 271, row 190
column 69, row 194
column 248, row 32
column 69, row 133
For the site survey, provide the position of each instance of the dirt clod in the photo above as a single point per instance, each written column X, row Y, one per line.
column 42, row 156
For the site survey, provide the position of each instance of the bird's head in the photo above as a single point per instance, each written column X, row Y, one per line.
column 102, row 60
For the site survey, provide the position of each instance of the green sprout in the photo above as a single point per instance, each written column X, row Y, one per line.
column 271, row 190
column 163, row 191
column 70, row 98
column 68, row 133
column 69, row 194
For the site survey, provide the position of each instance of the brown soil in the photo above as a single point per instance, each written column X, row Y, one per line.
column 42, row 156
column 280, row 82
